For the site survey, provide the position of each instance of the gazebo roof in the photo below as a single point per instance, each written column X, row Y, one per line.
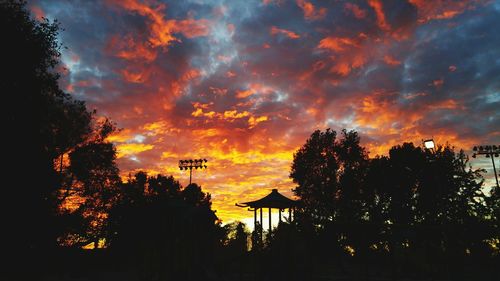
column 272, row 200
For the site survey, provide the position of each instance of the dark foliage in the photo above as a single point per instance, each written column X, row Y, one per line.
column 41, row 122
column 161, row 230
column 424, row 212
column 43, row 126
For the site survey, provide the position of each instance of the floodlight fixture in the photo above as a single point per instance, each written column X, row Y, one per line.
column 189, row 164
column 489, row 151
column 429, row 144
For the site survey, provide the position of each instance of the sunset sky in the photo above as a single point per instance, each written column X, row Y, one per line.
column 244, row 83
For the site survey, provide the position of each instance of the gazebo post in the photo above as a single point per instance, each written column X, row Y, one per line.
column 261, row 226
column 270, row 225
column 290, row 214
column 280, row 214
column 255, row 218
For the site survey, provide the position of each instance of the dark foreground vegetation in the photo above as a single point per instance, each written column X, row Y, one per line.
column 415, row 214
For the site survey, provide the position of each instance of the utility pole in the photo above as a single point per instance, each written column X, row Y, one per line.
column 189, row 164
column 488, row 151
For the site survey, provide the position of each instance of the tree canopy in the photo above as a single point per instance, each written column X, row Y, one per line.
column 414, row 201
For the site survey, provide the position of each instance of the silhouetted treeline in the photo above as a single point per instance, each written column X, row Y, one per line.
column 416, row 213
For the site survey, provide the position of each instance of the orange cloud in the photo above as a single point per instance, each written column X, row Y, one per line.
column 234, row 114
column 120, row 136
column 245, row 93
column 168, row 154
column 443, row 9
column 252, row 121
column 341, row 68
column 338, row 44
column 228, row 115
column 354, row 53
column 128, row 149
column 130, row 49
column 162, row 30
column 134, row 77
column 287, row 33
column 254, row 89
column 310, row 12
column 199, row 113
column 192, row 28
column 446, row 104
column 379, row 114
column 391, row 60
column 379, row 12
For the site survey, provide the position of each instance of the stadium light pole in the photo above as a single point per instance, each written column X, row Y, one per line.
column 189, row 164
column 488, row 151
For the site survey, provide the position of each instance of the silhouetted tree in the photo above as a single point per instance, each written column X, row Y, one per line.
column 257, row 243
column 236, row 237
column 194, row 196
column 51, row 138
column 95, row 179
column 315, row 170
column 329, row 174
column 42, row 123
column 163, row 230
column 163, row 186
column 291, row 253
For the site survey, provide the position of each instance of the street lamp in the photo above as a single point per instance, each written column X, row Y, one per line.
column 189, row 164
column 488, row 151
column 429, row 144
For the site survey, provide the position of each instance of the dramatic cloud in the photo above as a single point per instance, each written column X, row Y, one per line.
column 310, row 11
column 244, row 83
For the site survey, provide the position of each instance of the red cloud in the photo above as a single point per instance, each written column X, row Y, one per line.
column 162, row 30
column 192, row 28
column 287, row 33
column 130, row 49
column 442, row 9
column 391, row 60
column 355, row 10
column 379, row 12
column 310, row 12
column 338, row 44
